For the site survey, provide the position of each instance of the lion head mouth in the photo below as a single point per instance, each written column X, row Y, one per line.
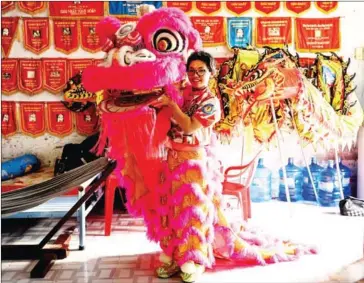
column 123, row 101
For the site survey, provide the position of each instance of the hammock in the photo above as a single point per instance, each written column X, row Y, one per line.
column 32, row 196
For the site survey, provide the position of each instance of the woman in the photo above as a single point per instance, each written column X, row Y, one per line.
column 192, row 229
column 190, row 192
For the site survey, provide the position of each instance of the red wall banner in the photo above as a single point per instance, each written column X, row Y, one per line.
column 327, row 7
column 87, row 121
column 66, row 38
column 55, row 74
column 208, row 7
column 211, row 29
column 8, row 118
column 185, row 6
column 9, row 26
column 317, row 35
column 59, row 119
column 273, row 31
column 76, row 9
column 9, row 76
column 238, row 7
column 90, row 41
column 298, row 7
column 7, row 6
column 30, row 79
column 77, row 65
column 32, row 7
column 32, row 118
column 267, row 7
column 36, row 34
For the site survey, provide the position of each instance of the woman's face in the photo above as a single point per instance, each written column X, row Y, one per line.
column 198, row 74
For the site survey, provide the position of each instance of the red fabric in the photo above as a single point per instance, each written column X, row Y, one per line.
column 36, row 34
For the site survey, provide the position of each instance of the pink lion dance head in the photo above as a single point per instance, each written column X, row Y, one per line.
column 143, row 60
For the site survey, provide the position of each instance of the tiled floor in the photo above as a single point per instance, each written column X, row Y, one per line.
column 124, row 257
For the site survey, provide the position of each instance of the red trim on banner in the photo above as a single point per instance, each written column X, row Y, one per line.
column 125, row 20
column 267, row 7
column 238, row 7
column 30, row 76
column 32, row 118
column 211, row 29
column 55, row 74
column 32, row 7
column 185, row 6
column 9, row 76
column 7, row 6
column 36, row 34
column 76, row 9
column 317, row 35
column 273, row 31
column 90, row 41
column 208, row 7
column 77, row 65
column 66, row 37
column 8, row 118
column 97, row 61
column 9, row 27
column 59, row 119
column 298, row 7
column 87, row 122
column 327, row 7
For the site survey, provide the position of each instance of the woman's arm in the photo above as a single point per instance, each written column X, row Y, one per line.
column 187, row 124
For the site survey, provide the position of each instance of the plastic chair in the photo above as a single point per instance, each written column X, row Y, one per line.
column 241, row 191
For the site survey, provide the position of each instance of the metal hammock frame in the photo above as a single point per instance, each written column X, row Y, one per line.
column 92, row 174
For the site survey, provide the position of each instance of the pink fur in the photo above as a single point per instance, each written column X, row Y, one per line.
column 142, row 76
column 107, row 28
column 190, row 213
column 171, row 18
column 185, row 189
column 197, row 257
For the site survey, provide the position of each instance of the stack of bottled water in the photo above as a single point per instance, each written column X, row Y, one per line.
column 294, row 180
column 260, row 188
column 308, row 193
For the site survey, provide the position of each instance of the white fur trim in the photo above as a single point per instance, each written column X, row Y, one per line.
column 188, row 267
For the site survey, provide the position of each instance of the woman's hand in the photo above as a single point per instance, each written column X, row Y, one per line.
column 162, row 101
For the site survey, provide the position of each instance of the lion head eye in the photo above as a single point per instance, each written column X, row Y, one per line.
column 166, row 40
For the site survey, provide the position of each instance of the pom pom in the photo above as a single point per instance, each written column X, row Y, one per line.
column 188, row 267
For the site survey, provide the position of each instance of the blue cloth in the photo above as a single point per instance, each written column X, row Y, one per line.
column 19, row 166
column 239, row 32
column 129, row 8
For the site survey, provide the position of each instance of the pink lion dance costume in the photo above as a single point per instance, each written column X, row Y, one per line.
column 179, row 198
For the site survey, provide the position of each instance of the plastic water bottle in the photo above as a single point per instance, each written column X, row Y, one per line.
column 260, row 189
column 294, row 180
column 345, row 174
column 307, row 188
column 328, row 188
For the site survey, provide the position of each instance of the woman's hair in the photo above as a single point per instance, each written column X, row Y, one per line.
column 204, row 57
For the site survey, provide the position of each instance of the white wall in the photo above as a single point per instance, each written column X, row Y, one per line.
column 48, row 147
